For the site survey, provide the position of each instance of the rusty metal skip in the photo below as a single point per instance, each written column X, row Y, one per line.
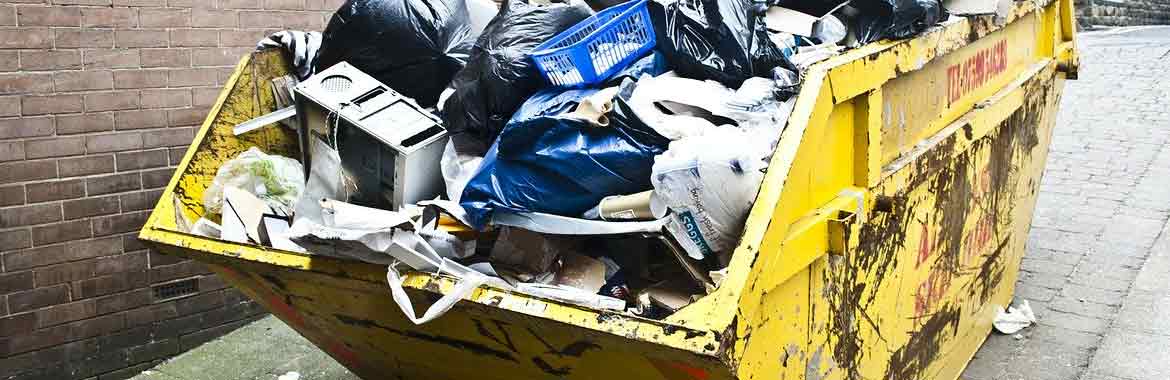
column 889, row 230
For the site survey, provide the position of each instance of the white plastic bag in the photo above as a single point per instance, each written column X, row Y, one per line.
column 708, row 182
column 457, row 170
column 388, row 238
column 277, row 180
column 708, row 95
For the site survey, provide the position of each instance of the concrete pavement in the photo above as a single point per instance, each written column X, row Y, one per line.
column 1097, row 270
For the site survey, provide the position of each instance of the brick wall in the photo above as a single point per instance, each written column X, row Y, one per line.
column 98, row 100
column 1123, row 12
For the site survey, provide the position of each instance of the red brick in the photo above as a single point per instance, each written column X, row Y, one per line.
column 56, row 254
column 15, row 239
column 166, row 58
column 50, row 104
column 7, row 15
column 38, row 339
column 25, row 127
column 223, row 74
column 158, row 259
column 157, row 178
column 88, row 207
column 106, row 17
column 114, row 224
column 15, row 282
column 214, row 282
column 27, row 171
column 104, row 285
column 176, row 157
column 26, row 38
column 59, row 232
column 83, row 38
column 263, row 19
column 177, row 271
column 9, row 60
column 11, row 150
column 9, row 106
column 140, row 3
column 18, row 324
column 64, row 313
column 207, row 18
column 66, row 272
column 168, row 137
column 128, row 262
column 217, row 56
column 165, row 98
column 11, row 195
column 187, row 116
column 23, row 83
column 205, row 96
column 140, row 78
column 48, row 16
column 29, row 215
column 141, row 160
column 240, row 4
column 164, row 17
column 56, row 190
column 140, row 38
column 194, row 37
column 323, row 5
column 124, row 301
column 151, row 314
column 36, row 60
column 113, row 142
column 127, row 120
column 110, row 58
column 54, row 147
column 82, row 80
column 38, row 298
column 284, row 4
column 111, row 101
column 80, row 166
column 157, row 349
column 142, row 200
column 84, row 123
column 115, row 183
column 81, row 2
column 130, row 242
column 241, row 38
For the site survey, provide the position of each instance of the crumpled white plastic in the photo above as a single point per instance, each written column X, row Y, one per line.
column 277, row 180
column 1015, row 319
column 708, row 182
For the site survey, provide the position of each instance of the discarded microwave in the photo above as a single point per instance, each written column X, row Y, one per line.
column 390, row 146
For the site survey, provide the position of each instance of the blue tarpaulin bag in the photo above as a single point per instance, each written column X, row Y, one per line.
column 548, row 161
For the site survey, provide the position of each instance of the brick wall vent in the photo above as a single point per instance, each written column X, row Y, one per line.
column 175, row 289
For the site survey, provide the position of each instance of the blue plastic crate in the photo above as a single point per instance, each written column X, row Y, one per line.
column 598, row 47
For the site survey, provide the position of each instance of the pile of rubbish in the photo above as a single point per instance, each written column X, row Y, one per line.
column 600, row 153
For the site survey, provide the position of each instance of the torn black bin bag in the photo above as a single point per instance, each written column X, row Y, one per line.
column 894, row 19
column 500, row 75
column 413, row 46
column 722, row 40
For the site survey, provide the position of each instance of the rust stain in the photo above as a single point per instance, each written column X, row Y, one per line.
column 912, row 360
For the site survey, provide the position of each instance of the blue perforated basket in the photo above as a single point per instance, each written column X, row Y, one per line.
column 598, row 47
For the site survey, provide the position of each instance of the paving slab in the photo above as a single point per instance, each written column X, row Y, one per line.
column 264, row 349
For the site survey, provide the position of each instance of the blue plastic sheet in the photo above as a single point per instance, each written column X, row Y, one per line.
column 544, row 161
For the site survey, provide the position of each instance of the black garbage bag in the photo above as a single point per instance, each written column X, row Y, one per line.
column 413, row 46
column 722, row 40
column 895, row 19
column 499, row 76
column 549, row 161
